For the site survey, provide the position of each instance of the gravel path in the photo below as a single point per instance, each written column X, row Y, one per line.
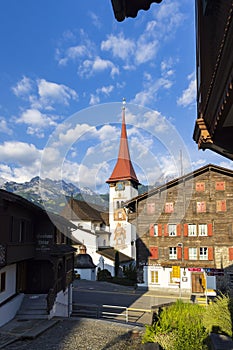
column 83, row 334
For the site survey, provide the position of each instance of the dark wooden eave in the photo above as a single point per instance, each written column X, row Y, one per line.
column 129, row 8
column 214, row 62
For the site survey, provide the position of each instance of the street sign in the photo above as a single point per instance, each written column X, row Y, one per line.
column 176, row 272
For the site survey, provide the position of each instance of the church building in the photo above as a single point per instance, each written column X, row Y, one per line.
column 123, row 186
column 103, row 233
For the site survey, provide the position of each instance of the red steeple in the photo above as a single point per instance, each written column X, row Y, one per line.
column 123, row 169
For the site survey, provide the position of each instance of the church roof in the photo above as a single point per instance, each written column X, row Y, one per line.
column 123, row 169
column 77, row 209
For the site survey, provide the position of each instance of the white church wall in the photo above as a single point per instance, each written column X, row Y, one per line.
column 89, row 239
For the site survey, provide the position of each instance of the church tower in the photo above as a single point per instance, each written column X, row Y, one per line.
column 123, row 185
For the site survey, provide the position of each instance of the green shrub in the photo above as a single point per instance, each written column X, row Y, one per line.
column 104, row 275
column 179, row 327
column 130, row 272
column 217, row 317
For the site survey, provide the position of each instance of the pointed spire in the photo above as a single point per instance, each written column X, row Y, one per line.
column 123, row 169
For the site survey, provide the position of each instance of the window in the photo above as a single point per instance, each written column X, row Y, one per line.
column 155, row 229
column 201, row 207
column 169, row 208
column 192, row 231
column 172, row 253
column 172, row 230
column 200, row 186
column 154, row 276
column 202, row 230
column 150, row 208
column 171, row 280
column 192, row 253
column 3, row 282
column 203, row 253
column 221, row 205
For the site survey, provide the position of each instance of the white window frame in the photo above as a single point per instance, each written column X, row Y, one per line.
column 192, row 253
column 172, row 253
column 202, row 230
column 192, row 230
column 156, row 230
column 172, row 230
column 154, row 276
column 203, row 251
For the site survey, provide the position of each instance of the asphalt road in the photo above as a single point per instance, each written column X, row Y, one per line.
column 104, row 293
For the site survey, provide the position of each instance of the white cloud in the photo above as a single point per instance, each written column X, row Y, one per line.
column 75, row 53
column 188, row 96
column 36, row 118
column 50, row 93
column 95, row 20
column 94, row 100
column 119, row 46
column 167, row 70
column 89, row 67
column 23, row 87
column 4, row 128
column 106, row 90
column 71, row 135
column 35, row 132
column 146, row 50
column 149, row 92
column 43, row 94
column 21, row 153
column 168, row 18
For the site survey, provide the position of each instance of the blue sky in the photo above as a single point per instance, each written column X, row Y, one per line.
column 65, row 67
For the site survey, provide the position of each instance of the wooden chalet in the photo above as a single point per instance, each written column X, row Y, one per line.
column 35, row 255
column 214, row 71
column 185, row 232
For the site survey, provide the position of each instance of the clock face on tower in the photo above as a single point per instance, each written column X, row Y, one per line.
column 120, row 186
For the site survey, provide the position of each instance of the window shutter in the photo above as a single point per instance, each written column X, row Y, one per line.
column 178, row 230
column 185, row 230
column 154, row 252
column 186, row 253
column 152, row 230
column 165, row 230
column 159, row 230
column 220, row 186
column 179, row 253
column 230, row 253
column 210, row 253
column 210, row 230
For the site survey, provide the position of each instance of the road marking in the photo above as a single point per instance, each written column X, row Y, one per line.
column 141, row 310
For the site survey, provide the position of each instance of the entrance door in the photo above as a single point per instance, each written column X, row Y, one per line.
column 21, row 277
column 197, row 283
